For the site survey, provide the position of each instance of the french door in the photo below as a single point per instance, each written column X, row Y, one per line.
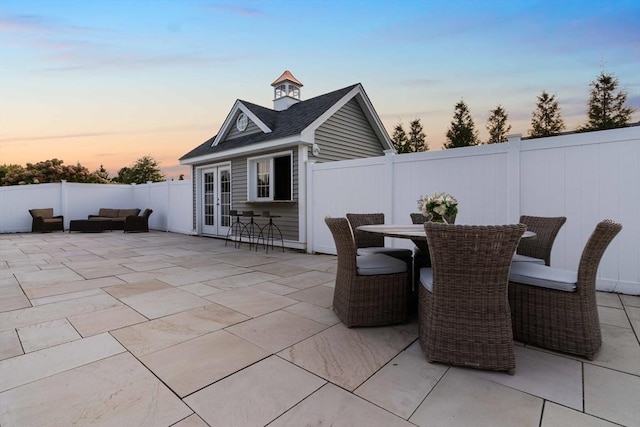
column 215, row 200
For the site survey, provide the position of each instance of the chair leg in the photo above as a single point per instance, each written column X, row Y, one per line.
column 234, row 230
column 270, row 226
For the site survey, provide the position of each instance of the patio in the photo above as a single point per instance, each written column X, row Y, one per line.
column 164, row 329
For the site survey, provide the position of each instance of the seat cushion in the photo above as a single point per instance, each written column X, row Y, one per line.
column 426, row 278
column 394, row 252
column 524, row 258
column 533, row 274
column 375, row 264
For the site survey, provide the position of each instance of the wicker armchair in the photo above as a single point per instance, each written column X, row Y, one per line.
column 372, row 243
column 538, row 249
column 421, row 258
column 43, row 221
column 463, row 310
column 371, row 290
column 136, row 224
column 562, row 320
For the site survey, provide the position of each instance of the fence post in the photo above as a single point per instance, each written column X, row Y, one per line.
column 310, row 207
column 389, row 211
column 63, row 201
column 168, row 204
column 513, row 177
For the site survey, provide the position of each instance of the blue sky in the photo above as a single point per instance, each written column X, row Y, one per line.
column 109, row 81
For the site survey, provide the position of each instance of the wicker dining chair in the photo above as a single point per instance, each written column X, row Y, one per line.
column 370, row 290
column 463, row 310
column 539, row 248
column 421, row 257
column 556, row 309
column 372, row 243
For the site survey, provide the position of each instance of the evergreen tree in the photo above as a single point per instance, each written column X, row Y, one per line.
column 102, row 173
column 546, row 119
column 462, row 132
column 497, row 125
column 417, row 138
column 606, row 109
column 399, row 139
column 145, row 169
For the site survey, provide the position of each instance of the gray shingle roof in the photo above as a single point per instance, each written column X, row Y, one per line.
column 291, row 121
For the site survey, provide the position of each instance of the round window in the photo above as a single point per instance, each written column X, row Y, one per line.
column 241, row 123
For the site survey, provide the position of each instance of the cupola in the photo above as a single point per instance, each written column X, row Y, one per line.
column 286, row 91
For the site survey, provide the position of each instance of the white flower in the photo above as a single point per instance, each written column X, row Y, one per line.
column 439, row 205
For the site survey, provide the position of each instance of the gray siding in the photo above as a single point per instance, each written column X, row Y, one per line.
column 234, row 132
column 347, row 135
column 288, row 222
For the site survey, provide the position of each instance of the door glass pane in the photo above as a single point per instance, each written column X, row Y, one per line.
column 225, row 197
column 209, row 199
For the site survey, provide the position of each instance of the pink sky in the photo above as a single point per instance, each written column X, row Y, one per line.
column 106, row 82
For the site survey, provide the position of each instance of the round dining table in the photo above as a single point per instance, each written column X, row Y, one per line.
column 409, row 231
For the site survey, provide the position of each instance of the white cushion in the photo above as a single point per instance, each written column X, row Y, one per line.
column 426, row 278
column 374, row 264
column 529, row 273
column 394, row 252
column 524, row 258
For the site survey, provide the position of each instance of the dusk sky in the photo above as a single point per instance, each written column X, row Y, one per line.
column 109, row 81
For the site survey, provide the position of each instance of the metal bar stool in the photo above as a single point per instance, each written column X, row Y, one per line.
column 250, row 228
column 270, row 228
column 235, row 229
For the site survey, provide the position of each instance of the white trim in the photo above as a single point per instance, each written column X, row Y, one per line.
column 251, row 193
column 248, row 150
column 229, row 122
column 303, row 158
column 198, row 184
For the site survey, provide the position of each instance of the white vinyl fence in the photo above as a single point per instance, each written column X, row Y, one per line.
column 171, row 202
column 586, row 177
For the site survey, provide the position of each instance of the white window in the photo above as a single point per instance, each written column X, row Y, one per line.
column 270, row 177
column 280, row 91
column 241, row 123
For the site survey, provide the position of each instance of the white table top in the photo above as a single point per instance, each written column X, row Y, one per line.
column 410, row 231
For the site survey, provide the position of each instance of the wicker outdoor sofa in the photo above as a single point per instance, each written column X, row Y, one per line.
column 117, row 217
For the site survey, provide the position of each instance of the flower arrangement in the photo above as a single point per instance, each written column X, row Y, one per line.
column 441, row 207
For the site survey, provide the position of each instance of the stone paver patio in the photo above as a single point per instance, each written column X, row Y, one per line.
column 161, row 329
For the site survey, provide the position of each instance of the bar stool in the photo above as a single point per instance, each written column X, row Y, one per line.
column 251, row 228
column 270, row 228
column 235, row 229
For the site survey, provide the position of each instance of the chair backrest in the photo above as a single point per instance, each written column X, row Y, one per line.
column 593, row 251
column 468, row 258
column 147, row 213
column 418, row 218
column 345, row 244
column 363, row 239
column 44, row 213
column 546, row 229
